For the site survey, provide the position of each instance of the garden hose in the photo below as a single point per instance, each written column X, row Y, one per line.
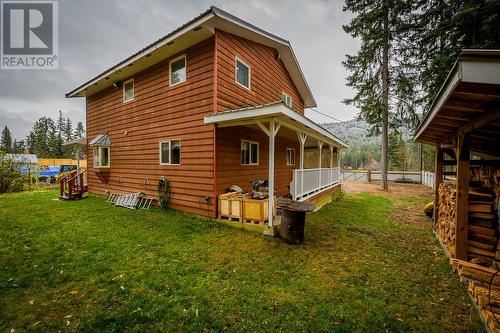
column 163, row 192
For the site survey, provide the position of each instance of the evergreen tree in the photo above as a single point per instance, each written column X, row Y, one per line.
column 378, row 70
column 68, row 130
column 6, row 140
column 79, row 131
column 442, row 29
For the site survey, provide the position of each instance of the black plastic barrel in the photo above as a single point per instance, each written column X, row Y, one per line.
column 292, row 226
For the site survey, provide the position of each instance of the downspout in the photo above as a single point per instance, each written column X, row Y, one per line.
column 214, row 147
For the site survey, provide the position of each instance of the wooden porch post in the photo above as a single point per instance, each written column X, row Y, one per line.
column 462, row 213
column 438, row 178
column 273, row 130
column 331, row 163
column 302, row 140
column 320, row 147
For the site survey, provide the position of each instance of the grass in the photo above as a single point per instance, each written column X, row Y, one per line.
column 87, row 266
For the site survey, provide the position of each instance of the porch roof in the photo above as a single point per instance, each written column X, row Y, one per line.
column 281, row 114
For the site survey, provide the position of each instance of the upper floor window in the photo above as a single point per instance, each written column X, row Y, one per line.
column 290, row 156
column 170, row 152
column 242, row 72
column 128, row 90
column 286, row 99
column 178, row 70
column 249, row 153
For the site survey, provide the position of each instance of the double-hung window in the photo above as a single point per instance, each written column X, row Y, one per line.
column 170, row 152
column 178, row 70
column 290, row 156
column 128, row 91
column 242, row 73
column 249, row 153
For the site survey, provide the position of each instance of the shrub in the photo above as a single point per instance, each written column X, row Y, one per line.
column 11, row 178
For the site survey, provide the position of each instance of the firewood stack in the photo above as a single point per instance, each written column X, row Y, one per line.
column 483, row 234
column 445, row 224
column 489, row 176
column 478, row 279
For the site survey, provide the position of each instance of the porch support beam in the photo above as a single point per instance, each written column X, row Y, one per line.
column 331, row 162
column 438, row 178
column 273, row 130
column 462, row 209
column 302, row 141
column 320, row 147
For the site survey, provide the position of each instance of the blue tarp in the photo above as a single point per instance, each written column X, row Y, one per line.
column 51, row 171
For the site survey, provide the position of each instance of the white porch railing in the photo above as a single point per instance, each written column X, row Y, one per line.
column 307, row 182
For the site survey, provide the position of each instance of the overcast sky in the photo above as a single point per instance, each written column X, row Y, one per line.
column 95, row 35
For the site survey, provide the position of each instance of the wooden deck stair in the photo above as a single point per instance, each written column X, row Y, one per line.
column 74, row 185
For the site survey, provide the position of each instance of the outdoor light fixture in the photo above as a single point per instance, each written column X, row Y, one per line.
column 117, row 84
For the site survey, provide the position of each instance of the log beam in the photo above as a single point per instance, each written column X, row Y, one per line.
column 462, row 210
column 438, row 168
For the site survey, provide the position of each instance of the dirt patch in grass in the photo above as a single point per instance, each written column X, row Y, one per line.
column 408, row 199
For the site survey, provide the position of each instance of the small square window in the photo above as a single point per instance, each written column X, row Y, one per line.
column 290, row 156
column 286, row 99
column 170, row 152
column 249, row 153
column 128, row 91
column 178, row 70
column 242, row 73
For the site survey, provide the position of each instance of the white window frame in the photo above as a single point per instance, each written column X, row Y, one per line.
column 236, row 73
column 250, row 152
column 285, row 96
column 170, row 151
column 170, row 70
column 288, row 162
column 96, row 158
column 133, row 91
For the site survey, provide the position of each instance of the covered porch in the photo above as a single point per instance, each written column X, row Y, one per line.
column 299, row 158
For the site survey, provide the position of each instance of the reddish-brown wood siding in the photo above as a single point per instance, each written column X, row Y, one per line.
column 229, row 168
column 268, row 75
column 159, row 112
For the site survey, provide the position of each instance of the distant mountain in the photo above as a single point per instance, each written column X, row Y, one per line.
column 354, row 132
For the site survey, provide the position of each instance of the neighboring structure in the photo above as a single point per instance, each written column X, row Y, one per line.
column 24, row 159
column 216, row 102
column 464, row 126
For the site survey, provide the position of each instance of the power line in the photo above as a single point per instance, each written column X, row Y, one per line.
column 336, row 119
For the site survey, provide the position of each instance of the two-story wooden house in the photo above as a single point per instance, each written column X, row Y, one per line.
column 214, row 103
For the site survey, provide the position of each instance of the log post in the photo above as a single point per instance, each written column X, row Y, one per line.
column 462, row 212
column 438, row 178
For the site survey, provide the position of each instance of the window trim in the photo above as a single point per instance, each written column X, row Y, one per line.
column 236, row 73
column 170, row 70
column 94, row 160
column 170, row 151
column 133, row 91
column 294, row 152
column 283, row 98
column 250, row 156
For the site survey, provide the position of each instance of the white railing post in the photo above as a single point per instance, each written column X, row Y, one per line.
column 320, row 147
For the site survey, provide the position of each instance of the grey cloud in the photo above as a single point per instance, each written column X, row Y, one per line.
column 96, row 34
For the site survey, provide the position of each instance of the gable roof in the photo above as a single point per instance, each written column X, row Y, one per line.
column 194, row 31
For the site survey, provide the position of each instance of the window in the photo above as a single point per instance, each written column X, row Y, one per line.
column 101, row 157
column 128, row 91
column 249, row 153
column 290, row 156
column 178, row 70
column 170, row 152
column 286, row 99
column 242, row 74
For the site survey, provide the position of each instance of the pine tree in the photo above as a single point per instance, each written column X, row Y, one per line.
column 6, row 140
column 79, row 131
column 378, row 70
column 68, row 130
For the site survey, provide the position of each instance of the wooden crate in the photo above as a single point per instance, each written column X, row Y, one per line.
column 230, row 209
column 256, row 211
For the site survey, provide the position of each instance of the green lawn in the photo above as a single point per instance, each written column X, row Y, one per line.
column 91, row 267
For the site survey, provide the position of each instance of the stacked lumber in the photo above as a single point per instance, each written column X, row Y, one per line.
column 445, row 223
column 482, row 227
column 485, row 295
column 489, row 176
